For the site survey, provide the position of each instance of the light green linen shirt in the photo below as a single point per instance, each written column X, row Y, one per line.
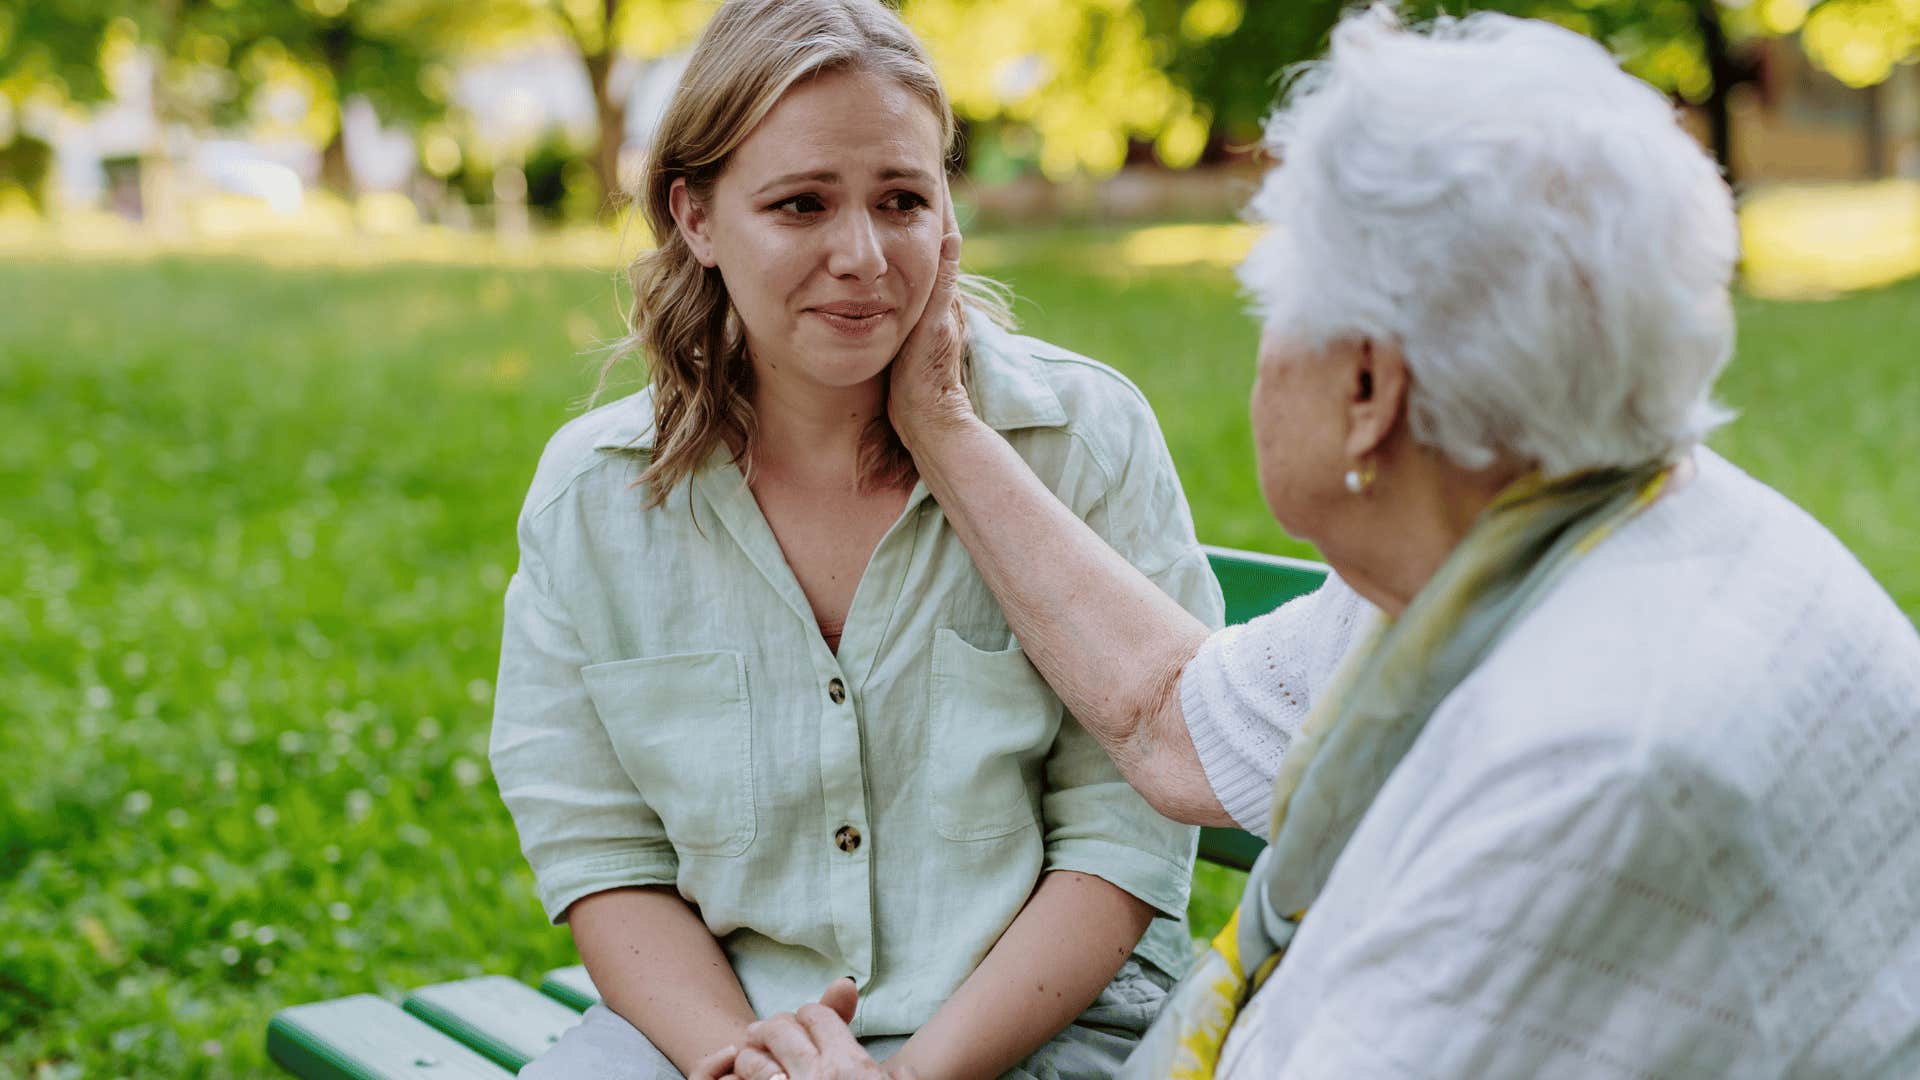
column 667, row 712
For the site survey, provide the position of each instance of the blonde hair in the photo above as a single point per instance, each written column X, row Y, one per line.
column 682, row 319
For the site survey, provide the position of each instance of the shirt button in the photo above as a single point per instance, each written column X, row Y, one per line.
column 837, row 691
column 847, row 839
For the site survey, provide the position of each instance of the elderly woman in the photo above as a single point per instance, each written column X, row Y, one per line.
column 1596, row 757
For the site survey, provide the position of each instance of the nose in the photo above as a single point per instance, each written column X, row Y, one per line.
column 854, row 249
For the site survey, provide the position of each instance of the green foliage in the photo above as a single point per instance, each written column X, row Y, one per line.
column 259, row 522
column 55, row 45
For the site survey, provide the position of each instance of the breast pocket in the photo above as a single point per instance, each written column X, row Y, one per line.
column 993, row 720
column 682, row 727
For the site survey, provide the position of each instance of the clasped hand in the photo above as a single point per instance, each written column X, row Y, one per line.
column 812, row 1043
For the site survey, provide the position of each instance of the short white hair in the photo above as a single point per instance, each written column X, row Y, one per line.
column 1529, row 223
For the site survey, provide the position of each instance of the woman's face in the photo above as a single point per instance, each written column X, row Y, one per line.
column 826, row 227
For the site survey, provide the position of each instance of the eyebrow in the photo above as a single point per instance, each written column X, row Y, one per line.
column 828, row 176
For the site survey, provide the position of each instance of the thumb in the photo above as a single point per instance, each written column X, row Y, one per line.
column 841, row 997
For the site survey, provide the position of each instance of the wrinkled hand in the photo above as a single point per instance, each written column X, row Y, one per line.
column 813, row 1043
column 925, row 388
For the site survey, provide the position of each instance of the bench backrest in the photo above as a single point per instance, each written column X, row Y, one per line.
column 1253, row 585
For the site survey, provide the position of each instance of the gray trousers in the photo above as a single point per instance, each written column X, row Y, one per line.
column 603, row 1046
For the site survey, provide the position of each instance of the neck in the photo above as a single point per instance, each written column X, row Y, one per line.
column 1392, row 539
column 804, row 430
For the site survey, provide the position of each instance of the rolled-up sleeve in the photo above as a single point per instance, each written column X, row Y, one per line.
column 583, row 826
column 1095, row 822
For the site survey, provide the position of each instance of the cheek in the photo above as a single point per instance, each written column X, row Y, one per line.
column 761, row 268
column 1283, row 449
column 914, row 253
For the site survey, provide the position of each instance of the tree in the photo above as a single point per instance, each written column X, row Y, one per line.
column 606, row 36
column 1085, row 76
column 340, row 49
column 55, row 48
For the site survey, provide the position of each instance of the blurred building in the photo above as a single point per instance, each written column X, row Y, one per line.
column 1796, row 122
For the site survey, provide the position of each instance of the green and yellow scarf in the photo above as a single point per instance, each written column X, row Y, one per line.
column 1361, row 727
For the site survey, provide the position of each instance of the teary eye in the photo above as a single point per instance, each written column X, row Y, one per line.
column 905, row 202
column 800, row 204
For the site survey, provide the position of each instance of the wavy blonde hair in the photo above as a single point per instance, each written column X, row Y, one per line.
column 682, row 318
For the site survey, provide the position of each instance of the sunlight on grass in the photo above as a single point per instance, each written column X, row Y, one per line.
column 1810, row 241
column 323, row 231
column 1188, row 245
column 1798, row 241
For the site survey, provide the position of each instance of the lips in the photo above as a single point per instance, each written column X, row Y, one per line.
column 854, row 309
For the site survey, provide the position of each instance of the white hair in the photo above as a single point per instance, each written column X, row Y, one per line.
column 1525, row 220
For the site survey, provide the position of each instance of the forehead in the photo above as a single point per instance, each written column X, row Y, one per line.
column 849, row 122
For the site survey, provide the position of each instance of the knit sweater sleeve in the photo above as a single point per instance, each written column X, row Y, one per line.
column 1247, row 691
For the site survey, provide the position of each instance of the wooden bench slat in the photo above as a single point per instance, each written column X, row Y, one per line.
column 570, row 986
column 504, row 1019
column 365, row 1037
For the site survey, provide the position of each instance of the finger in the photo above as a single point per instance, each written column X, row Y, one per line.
column 842, row 997
column 829, row 1033
column 952, row 227
column 756, row 1064
column 786, row 1042
column 929, row 334
column 714, row 1065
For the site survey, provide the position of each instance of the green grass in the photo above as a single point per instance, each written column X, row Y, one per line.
column 257, row 522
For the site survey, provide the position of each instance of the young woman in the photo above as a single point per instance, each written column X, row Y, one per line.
column 759, row 721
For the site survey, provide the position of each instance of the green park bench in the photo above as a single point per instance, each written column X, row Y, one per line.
column 489, row 1026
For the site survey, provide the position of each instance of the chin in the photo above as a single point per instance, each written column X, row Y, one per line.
column 850, row 364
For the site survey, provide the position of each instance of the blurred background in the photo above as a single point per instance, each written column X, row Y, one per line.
column 292, row 292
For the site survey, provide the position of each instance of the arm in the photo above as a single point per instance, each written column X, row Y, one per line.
column 594, row 843
column 1110, row 643
column 1063, row 948
column 1107, row 639
column 655, row 963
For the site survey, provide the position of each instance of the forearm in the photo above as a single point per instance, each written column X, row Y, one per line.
column 655, row 963
column 1063, row 948
column 1107, row 639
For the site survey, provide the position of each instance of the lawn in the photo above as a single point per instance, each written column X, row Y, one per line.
column 257, row 522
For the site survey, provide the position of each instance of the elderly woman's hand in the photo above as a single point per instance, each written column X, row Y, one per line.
column 813, row 1043
column 925, row 390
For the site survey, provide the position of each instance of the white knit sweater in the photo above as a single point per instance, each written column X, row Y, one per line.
column 1669, row 828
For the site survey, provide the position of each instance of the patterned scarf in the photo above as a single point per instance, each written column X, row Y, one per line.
column 1361, row 727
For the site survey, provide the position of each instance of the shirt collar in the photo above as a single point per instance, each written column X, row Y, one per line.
column 1009, row 386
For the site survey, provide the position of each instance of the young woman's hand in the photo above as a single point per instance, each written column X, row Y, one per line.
column 813, row 1043
column 718, row 1065
column 925, row 390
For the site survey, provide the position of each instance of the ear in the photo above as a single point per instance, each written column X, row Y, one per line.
column 690, row 215
column 1377, row 383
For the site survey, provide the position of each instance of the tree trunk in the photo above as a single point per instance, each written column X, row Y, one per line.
column 336, row 46
column 335, row 175
column 1873, row 131
column 610, row 111
column 1724, row 74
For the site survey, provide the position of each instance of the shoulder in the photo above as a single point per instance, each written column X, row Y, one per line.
column 1721, row 625
column 1026, row 383
column 616, row 432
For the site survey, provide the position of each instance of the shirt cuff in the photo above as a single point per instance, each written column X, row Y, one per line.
column 1157, row 882
column 1245, row 790
column 563, row 883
